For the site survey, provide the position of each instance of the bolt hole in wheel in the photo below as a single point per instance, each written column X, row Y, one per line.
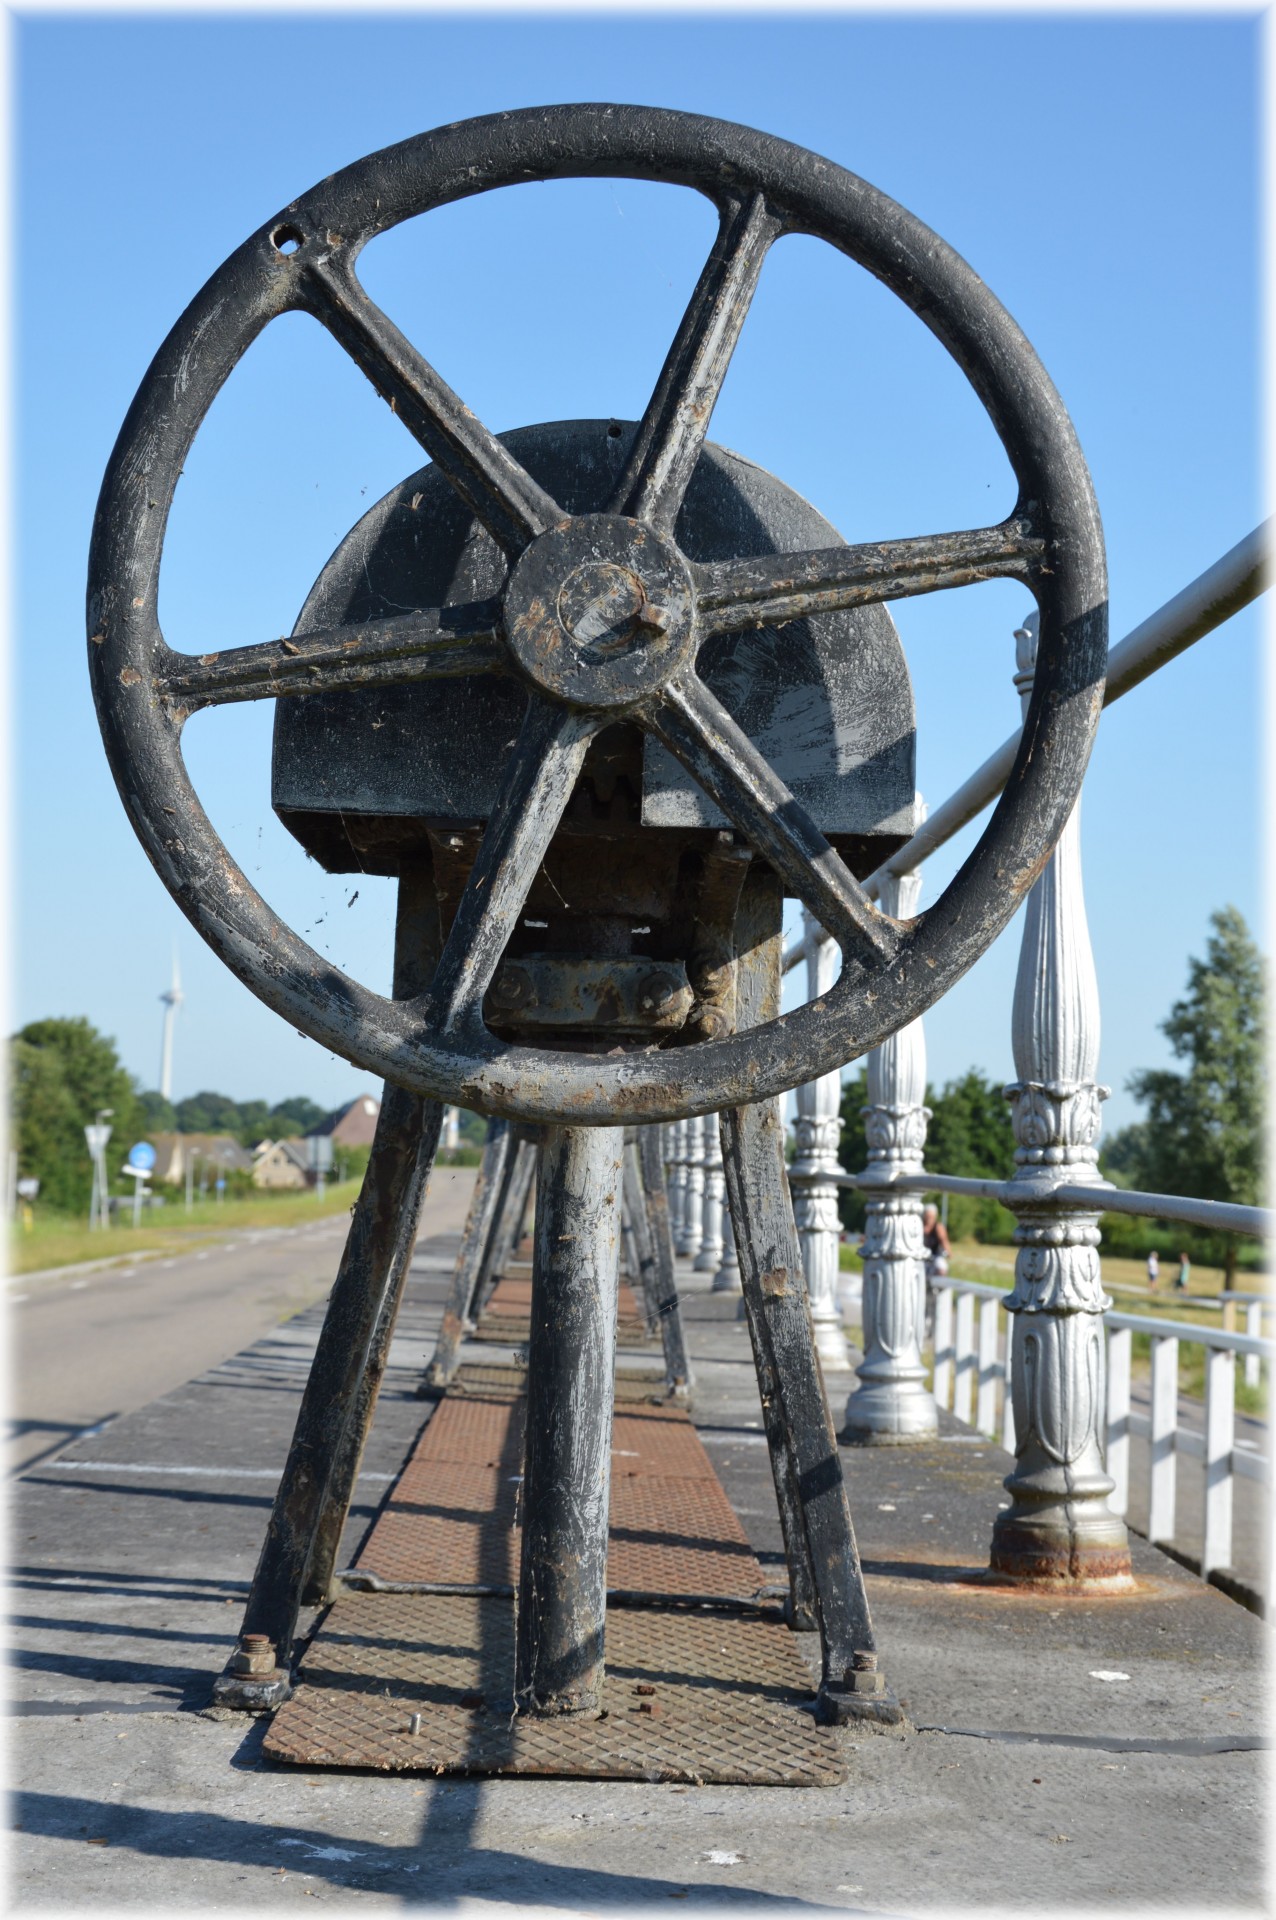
column 621, row 621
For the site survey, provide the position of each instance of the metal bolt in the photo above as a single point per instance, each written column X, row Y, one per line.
column 862, row 1675
column 655, row 619
column 254, row 1654
column 511, row 988
column 414, row 1724
column 655, row 992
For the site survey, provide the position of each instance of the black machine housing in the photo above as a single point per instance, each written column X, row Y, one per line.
column 644, row 868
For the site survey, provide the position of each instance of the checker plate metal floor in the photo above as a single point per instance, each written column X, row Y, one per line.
column 724, row 1699
column 507, row 1316
column 452, row 1516
column 632, row 1383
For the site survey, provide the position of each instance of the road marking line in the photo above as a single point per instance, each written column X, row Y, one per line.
column 194, row 1473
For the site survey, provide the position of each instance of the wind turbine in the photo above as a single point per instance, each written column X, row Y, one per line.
column 170, row 1001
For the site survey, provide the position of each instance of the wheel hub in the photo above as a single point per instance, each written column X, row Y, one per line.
column 600, row 611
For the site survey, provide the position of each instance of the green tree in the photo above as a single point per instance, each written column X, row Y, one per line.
column 302, row 1112
column 970, row 1134
column 61, row 1072
column 970, row 1131
column 1204, row 1130
column 254, row 1123
column 208, row 1112
column 157, row 1114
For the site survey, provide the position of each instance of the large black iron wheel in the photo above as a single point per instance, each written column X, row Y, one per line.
column 601, row 616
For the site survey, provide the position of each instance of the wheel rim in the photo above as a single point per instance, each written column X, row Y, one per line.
column 763, row 188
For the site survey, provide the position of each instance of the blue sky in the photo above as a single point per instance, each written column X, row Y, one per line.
column 1101, row 174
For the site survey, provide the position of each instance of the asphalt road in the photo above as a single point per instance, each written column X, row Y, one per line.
column 85, row 1347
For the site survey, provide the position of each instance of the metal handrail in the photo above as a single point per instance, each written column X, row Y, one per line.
column 1189, row 1330
column 1222, row 1215
column 1205, row 603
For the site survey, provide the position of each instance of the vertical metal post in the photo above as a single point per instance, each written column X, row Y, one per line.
column 1120, row 1345
column 891, row 1405
column 340, row 1392
column 819, row 1125
column 1162, row 1489
column 1059, row 1526
column 824, row 1566
column 943, row 1345
column 659, row 1279
column 490, row 1188
column 964, row 1344
column 562, row 1587
column 986, row 1392
column 1254, row 1331
column 1220, row 1421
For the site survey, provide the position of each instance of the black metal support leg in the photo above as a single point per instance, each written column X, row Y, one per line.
column 511, row 1214
column 490, row 1188
column 562, row 1586
column 653, row 1202
column 340, row 1394
column 804, row 1454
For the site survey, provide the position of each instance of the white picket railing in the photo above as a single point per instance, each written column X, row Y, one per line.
column 971, row 1378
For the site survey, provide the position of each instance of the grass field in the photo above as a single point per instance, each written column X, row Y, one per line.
column 1126, row 1281
column 56, row 1241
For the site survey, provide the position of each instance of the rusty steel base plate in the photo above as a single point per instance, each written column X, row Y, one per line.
column 695, row 1697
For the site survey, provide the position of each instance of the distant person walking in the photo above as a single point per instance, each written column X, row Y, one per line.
column 935, row 1239
column 1154, row 1270
column 1185, row 1273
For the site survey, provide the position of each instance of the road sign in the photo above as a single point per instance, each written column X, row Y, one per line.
column 96, row 1139
column 28, row 1189
column 142, row 1156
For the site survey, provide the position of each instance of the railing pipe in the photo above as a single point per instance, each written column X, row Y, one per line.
column 1222, row 1216
column 1232, row 583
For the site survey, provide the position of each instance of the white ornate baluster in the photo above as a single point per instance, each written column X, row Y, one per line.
column 693, row 1193
column 819, row 1125
column 676, row 1135
column 892, row 1406
column 709, row 1257
column 727, row 1278
column 1059, row 1526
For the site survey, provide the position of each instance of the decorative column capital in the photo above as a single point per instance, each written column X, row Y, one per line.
column 1057, row 1123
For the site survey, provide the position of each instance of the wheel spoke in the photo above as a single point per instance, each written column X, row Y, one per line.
column 735, row 594
column 673, row 428
column 696, row 727
column 498, row 491
column 436, row 644
column 542, row 771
